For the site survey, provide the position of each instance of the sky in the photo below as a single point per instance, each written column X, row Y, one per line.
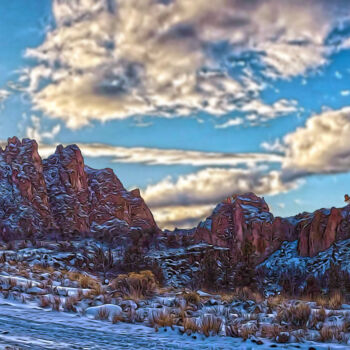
column 190, row 101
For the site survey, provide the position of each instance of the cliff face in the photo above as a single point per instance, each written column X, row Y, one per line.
column 245, row 217
column 62, row 194
column 318, row 231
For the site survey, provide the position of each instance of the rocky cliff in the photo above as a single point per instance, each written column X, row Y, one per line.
column 247, row 218
column 63, row 195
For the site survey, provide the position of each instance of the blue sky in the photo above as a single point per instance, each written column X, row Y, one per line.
column 151, row 81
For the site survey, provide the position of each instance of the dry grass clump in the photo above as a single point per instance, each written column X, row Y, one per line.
column 247, row 331
column 270, row 331
column 274, row 301
column 56, row 303
column 70, row 304
column 190, row 325
column 192, row 298
column 44, row 301
column 297, row 315
column 329, row 333
column 336, row 300
column 136, row 285
column 102, row 314
column 117, row 318
column 161, row 318
column 210, row 325
column 12, row 283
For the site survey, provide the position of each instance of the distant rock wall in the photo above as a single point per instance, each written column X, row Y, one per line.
column 62, row 194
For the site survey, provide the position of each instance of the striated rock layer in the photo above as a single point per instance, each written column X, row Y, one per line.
column 60, row 194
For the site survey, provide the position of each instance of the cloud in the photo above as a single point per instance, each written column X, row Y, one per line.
column 188, row 199
column 154, row 156
column 229, row 123
column 181, row 216
column 108, row 59
column 34, row 131
column 321, row 146
column 211, row 185
column 345, row 92
column 4, row 94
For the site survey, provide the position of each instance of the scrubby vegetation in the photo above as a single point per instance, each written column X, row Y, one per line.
column 222, row 301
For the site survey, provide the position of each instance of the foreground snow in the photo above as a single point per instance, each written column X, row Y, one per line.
column 29, row 327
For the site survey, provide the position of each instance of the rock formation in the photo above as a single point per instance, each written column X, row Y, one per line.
column 245, row 217
column 61, row 194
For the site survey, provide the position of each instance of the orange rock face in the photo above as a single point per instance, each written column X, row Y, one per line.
column 62, row 194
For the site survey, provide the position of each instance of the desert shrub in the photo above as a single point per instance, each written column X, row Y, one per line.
column 102, row 314
column 70, row 304
column 210, row 325
column 161, row 318
column 329, row 333
column 336, row 300
column 44, row 301
column 192, row 298
column 136, row 285
column 270, row 331
column 297, row 315
column 116, row 318
column 86, row 281
column 56, row 303
column 190, row 325
column 247, row 331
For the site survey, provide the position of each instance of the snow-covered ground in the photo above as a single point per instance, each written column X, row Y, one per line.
column 53, row 296
column 28, row 327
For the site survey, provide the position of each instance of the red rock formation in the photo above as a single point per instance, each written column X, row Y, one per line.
column 321, row 229
column 245, row 217
column 62, row 194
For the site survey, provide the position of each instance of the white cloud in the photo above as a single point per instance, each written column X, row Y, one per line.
column 275, row 146
column 181, row 216
column 34, row 131
column 4, row 94
column 345, row 92
column 229, row 123
column 154, row 156
column 109, row 59
column 321, row 146
column 211, row 185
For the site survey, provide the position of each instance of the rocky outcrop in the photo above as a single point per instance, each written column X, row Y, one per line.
column 61, row 194
column 245, row 218
column 318, row 231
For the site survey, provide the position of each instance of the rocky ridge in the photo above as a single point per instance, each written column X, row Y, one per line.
column 63, row 195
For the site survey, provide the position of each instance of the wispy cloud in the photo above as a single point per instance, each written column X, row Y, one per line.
column 108, row 59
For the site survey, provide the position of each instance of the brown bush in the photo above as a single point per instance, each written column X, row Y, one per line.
column 297, row 315
column 190, row 325
column 270, row 331
column 44, row 301
column 192, row 298
column 162, row 318
column 102, row 314
column 135, row 285
column 210, row 325
column 336, row 300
